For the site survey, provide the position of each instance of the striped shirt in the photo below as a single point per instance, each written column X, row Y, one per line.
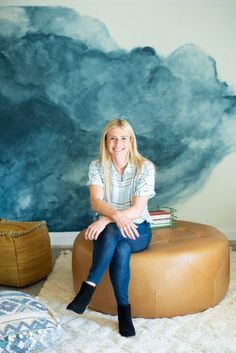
column 125, row 187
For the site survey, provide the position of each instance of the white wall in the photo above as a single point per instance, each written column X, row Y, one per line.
column 215, row 203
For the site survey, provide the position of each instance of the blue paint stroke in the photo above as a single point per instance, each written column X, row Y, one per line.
column 62, row 77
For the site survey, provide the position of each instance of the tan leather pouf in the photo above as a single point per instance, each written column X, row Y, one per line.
column 25, row 252
column 185, row 270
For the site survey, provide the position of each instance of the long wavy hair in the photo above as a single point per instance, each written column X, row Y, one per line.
column 134, row 156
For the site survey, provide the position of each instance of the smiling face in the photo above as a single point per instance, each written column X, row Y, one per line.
column 118, row 143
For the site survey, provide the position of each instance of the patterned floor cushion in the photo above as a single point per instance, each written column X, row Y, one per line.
column 26, row 324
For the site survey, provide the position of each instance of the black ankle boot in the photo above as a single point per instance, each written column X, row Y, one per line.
column 126, row 327
column 82, row 299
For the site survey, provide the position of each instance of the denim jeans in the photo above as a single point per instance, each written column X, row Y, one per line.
column 113, row 250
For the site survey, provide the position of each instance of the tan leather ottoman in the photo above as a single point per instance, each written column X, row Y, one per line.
column 185, row 270
column 25, row 252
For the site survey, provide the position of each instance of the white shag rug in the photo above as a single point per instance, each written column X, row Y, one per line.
column 212, row 331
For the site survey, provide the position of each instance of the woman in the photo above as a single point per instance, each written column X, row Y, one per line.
column 120, row 183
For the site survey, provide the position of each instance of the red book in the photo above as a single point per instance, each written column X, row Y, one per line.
column 160, row 214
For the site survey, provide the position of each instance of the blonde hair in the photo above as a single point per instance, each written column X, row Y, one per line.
column 134, row 157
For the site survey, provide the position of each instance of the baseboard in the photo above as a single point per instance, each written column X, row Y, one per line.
column 63, row 239
column 230, row 233
column 66, row 239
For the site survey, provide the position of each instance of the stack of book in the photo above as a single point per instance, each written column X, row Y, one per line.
column 163, row 217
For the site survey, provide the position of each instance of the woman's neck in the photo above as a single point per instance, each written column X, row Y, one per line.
column 120, row 165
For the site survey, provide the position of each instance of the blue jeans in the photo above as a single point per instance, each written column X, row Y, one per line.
column 113, row 250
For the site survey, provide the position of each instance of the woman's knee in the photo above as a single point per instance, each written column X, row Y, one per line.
column 111, row 231
column 122, row 251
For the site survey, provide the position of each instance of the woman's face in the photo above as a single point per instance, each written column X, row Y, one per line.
column 118, row 143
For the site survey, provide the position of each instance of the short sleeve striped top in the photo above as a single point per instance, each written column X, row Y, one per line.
column 125, row 187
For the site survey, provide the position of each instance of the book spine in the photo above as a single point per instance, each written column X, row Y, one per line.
column 159, row 212
column 161, row 217
column 162, row 221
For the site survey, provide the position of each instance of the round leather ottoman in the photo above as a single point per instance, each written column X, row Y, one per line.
column 185, row 270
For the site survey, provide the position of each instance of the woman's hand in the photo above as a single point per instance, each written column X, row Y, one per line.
column 126, row 226
column 93, row 231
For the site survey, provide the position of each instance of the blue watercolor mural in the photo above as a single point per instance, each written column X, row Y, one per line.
column 62, row 77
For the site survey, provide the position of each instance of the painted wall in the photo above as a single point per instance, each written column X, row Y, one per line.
column 65, row 73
